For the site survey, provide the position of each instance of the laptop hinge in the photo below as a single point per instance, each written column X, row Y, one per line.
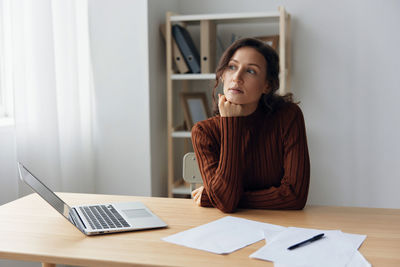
column 77, row 219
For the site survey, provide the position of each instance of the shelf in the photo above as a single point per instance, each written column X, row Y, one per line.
column 193, row 76
column 182, row 134
column 176, row 83
column 227, row 17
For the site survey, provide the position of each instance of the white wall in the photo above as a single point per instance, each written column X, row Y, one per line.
column 158, row 96
column 129, row 74
column 118, row 32
column 345, row 73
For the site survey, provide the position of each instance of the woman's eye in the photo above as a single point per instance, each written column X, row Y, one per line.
column 251, row 71
column 231, row 67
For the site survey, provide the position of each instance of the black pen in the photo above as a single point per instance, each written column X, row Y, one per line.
column 312, row 239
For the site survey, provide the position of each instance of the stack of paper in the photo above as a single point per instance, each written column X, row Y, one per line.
column 228, row 234
column 225, row 235
column 334, row 249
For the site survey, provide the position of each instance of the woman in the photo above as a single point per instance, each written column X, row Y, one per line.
column 253, row 153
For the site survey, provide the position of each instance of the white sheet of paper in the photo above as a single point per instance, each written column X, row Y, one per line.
column 225, row 235
column 334, row 249
column 358, row 260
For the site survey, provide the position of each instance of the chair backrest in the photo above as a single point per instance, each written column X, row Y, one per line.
column 191, row 172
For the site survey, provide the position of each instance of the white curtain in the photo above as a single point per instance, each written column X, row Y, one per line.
column 53, row 86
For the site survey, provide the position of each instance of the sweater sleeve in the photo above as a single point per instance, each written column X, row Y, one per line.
column 293, row 190
column 219, row 163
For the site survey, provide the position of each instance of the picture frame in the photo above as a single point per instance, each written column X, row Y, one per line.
column 195, row 107
column 272, row 40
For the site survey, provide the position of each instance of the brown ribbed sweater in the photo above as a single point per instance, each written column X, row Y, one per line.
column 256, row 161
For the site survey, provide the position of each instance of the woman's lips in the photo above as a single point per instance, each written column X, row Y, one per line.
column 235, row 91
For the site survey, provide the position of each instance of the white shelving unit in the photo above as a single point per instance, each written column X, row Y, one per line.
column 181, row 134
column 191, row 76
column 175, row 184
column 227, row 17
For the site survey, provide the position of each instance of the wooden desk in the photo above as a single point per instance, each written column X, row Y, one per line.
column 31, row 230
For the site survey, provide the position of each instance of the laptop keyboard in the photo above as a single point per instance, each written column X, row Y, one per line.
column 103, row 217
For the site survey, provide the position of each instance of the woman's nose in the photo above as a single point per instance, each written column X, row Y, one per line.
column 237, row 77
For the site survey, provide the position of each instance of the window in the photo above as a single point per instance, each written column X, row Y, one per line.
column 6, row 87
column 6, row 96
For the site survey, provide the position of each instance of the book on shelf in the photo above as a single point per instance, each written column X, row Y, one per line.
column 186, row 46
column 208, row 45
column 179, row 62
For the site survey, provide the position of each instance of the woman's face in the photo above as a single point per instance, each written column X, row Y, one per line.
column 245, row 77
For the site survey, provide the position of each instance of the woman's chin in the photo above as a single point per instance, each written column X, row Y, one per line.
column 233, row 100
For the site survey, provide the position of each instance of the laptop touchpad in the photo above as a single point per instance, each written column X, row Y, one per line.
column 136, row 213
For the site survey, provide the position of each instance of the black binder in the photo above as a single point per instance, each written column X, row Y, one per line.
column 187, row 48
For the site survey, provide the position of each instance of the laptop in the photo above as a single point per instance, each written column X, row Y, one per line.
column 96, row 219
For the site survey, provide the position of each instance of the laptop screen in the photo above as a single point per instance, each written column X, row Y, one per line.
column 43, row 191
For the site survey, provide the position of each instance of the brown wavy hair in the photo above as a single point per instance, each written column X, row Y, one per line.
column 269, row 102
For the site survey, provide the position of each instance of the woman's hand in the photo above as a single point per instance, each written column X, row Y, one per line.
column 229, row 109
column 196, row 195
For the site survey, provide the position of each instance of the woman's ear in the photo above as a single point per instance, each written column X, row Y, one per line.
column 266, row 89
